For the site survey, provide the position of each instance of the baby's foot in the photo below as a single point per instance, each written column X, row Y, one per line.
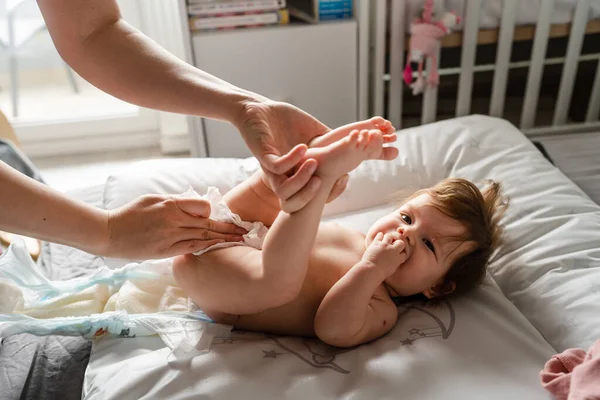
column 385, row 126
column 344, row 155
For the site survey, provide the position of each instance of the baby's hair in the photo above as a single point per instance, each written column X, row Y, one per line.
column 479, row 211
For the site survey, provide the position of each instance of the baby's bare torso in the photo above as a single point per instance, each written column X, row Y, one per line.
column 335, row 251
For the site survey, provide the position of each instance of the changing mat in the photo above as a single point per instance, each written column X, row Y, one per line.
column 460, row 350
column 541, row 295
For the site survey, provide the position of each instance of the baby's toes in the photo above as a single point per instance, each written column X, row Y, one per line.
column 375, row 143
column 378, row 121
column 383, row 125
column 390, row 137
column 353, row 137
column 375, row 138
column 363, row 139
column 389, row 129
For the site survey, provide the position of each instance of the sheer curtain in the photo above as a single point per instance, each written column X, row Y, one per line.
column 163, row 21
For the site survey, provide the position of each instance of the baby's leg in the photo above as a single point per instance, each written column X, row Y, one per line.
column 254, row 199
column 241, row 280
column 343, row 149
column 227, row 281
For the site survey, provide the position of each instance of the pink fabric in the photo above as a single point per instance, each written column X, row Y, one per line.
column 573, row 374
column 407, row 78
column 425, row 37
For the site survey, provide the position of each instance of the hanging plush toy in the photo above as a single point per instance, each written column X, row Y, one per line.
column 426, row 36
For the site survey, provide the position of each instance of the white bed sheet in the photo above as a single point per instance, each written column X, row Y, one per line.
column 459, row 350
column 491, row 11
column 481, row 345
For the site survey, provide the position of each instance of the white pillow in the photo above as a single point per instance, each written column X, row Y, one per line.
column 171, row 176
column 550, row 264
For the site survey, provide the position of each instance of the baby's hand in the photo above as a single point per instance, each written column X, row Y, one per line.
column 386, row 253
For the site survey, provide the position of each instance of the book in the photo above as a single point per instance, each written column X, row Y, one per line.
column 313, row 11
column 235, row 6
column 237, row 20
column 205, row 1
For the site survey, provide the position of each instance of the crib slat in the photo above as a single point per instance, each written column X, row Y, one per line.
column 507, row 29
column 540, row 43
column 430, row 96
column 594, row 106
column 570, row 68
column 363, row 59
column 467, row 58
column 397, row 34
column 379, row 64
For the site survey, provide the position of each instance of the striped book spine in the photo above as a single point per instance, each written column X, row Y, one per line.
column 236, row 6
column 240, row 20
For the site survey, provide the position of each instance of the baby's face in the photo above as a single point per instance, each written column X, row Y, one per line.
column 431, row 245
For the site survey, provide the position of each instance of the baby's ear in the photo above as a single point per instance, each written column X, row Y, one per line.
column 440, row 289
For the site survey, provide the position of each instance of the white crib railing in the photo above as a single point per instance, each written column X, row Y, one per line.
column 373, row 19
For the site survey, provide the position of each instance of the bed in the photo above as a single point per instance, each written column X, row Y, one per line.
column 541, row 294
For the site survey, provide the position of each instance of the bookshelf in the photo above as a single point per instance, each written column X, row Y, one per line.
column 313, row 66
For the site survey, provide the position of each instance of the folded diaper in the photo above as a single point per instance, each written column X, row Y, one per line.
column 219, row 211
column 138, row 299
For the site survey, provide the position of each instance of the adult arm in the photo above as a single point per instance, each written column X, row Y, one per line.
column 150, row 227
column 95, row 41
column 92, row 37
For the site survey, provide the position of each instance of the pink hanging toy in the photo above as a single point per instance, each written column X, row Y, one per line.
column 425, row 39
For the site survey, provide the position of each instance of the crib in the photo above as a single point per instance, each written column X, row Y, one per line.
column 542, row 76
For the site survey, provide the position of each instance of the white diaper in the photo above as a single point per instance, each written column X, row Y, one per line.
column 219, row 211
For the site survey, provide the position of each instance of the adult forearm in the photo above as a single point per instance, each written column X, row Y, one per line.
column 343, row 311
column 125, row 63
column 30, row 208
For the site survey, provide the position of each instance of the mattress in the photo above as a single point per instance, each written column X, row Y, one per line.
column 491, row 11
column 50, row 367
column 540, row 296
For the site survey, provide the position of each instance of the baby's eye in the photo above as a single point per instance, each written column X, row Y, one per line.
column 406, row 218
column 429, row 245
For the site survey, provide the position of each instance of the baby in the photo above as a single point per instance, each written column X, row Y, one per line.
column 338, row 284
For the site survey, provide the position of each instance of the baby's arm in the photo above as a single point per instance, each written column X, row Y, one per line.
column 289, row 242
column 358, row 309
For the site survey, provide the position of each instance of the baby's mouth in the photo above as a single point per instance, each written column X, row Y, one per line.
column 406, row 250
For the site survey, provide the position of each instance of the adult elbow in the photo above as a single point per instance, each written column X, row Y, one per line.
column 76, row 46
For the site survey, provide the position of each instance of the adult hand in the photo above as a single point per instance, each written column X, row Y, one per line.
column 159, row 226
column 278, row 134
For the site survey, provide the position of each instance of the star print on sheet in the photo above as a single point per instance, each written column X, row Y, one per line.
column 434, row 322
column 271, row 354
